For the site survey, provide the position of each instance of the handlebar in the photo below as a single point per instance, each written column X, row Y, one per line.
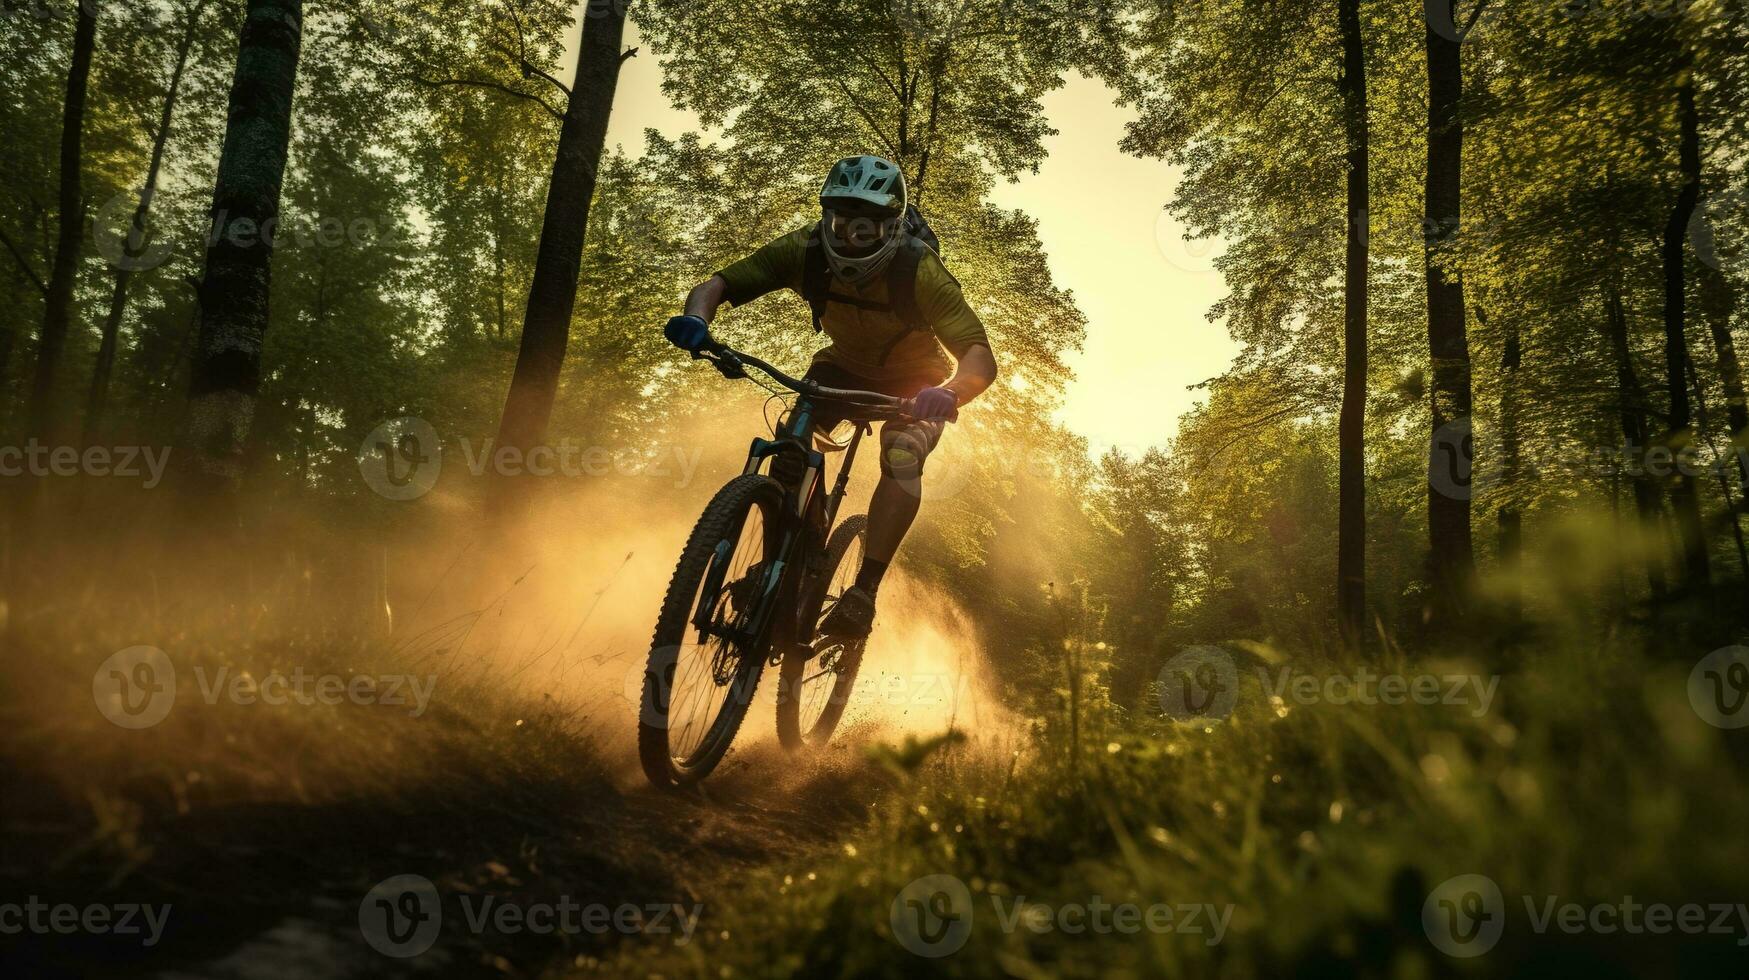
column 732, row 363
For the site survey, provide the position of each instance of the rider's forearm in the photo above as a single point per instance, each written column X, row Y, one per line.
column 706, row 297
column 975, row 372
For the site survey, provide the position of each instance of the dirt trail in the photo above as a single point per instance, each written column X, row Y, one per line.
column 521, row 784
column 266, row 827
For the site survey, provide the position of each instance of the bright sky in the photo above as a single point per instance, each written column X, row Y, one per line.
column 1144, row 290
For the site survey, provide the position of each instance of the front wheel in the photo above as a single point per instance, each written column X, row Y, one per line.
column 705, row 659
column 815, row 681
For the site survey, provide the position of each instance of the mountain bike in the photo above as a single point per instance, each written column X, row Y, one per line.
column 762, row 567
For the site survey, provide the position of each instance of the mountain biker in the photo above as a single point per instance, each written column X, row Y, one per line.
column 875, row 344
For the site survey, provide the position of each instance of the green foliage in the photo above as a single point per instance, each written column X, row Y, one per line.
column 1323, row 826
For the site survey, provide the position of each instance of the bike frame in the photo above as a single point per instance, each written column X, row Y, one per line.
column 808, row 511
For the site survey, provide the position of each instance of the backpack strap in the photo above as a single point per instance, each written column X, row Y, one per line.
column 901, row 288
column 902, row 292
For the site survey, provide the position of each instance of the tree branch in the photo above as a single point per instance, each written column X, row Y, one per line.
column 23, row 263
column 495, row 86
column 857, row 105
column 1471, row 22
column 521, row 56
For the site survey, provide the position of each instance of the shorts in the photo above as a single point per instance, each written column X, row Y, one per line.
column 905, row 443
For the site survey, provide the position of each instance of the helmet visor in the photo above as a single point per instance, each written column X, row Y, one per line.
column 858, row 229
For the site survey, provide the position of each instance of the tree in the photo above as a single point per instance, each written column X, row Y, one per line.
column 58, row 308
column 1681, row 436
column 1451, row 561
column 552, row 296
column 234, row 290
column 136, row 231
column 1275, row 142
column 1351, row 427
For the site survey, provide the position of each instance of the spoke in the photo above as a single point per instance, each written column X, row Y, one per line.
column 706, row 673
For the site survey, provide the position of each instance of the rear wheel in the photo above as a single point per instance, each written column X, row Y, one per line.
column 815, row 681
column 699, row 682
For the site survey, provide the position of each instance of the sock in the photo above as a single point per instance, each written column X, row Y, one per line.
column 868, row 577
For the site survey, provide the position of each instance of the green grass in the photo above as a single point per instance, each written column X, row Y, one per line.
column 1325, row 826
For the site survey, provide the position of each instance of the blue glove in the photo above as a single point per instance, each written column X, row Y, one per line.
column 689, row 333
column 936, row 403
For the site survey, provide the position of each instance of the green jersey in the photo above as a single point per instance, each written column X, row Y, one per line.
column 868, row 338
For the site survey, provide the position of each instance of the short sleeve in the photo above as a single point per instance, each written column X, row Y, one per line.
column 944, row 306
column 777, row 265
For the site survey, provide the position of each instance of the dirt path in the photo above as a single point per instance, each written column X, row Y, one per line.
column 263, row 891
column 266, row 829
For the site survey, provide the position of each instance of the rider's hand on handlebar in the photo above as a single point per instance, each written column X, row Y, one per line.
column 687, row 332
column 936, row 403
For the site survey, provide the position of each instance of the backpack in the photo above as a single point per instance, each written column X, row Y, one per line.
column 901, row 279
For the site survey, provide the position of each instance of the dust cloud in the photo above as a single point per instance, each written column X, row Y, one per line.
column 563, row 615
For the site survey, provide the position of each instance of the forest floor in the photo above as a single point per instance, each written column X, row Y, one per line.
column 490, row 754
column 1306, row 831
column 265, row 863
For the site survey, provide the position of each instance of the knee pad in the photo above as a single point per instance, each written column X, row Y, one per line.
column 904, row 448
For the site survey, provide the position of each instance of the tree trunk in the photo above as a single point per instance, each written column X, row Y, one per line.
column 1680, row 438
column 1451, row 560
column 118, row 299
column 226, row 374
column 1718, row 299
column 1351, row 434
column 58, row 308
column 1631, row 399
column 1510, row 520
column 1719, row 471
column 552, row 294
column 501, row 321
